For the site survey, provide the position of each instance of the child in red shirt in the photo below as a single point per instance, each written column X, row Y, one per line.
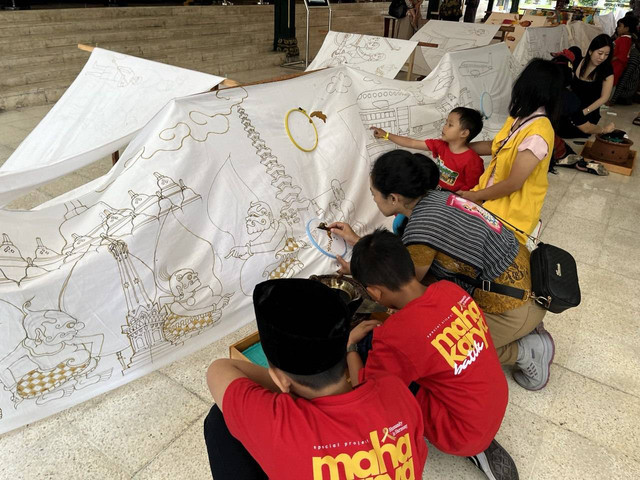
column 627, row 26
column 440, row 340
column 301, row 419
column 460, row 167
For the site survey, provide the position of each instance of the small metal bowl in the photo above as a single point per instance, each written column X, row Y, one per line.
column 349, row 289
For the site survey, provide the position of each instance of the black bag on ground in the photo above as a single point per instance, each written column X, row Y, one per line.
column 398, row 9
column 554, row 278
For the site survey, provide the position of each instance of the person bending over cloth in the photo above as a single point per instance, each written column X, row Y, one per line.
column 440, row 340
column 301, row 418
column 453, row 239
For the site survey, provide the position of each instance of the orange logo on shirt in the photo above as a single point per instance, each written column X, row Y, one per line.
column 464, row 339
column 369, row 464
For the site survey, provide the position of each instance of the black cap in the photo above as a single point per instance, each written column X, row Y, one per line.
column 303, row 325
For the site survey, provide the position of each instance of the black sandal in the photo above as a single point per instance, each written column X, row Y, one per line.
column 636, row 121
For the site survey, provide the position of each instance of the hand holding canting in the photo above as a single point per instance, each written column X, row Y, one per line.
column 344, row 231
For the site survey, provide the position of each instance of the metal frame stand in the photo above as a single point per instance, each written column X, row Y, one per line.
column 303, row 64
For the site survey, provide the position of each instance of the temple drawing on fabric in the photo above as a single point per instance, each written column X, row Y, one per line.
column 54, row 359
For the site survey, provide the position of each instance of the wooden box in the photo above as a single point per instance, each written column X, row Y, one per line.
column 625, row 168
column 235, row 350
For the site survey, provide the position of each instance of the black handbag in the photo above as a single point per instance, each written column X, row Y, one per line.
column 398, row 9
column 554, row 278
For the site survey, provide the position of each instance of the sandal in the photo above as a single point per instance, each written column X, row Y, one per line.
column 636, row 121
column 592, row 167
column 569, row 161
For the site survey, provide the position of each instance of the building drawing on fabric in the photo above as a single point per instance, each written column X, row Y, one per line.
column 153, row 327
column 52, row 360
column 392, row 110
column 476, row 68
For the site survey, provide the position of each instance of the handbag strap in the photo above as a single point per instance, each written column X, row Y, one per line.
column 512, row 131
column 492, row 287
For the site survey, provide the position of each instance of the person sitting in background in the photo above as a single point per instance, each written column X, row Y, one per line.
column 514, row 185
column 593, row 78
column 301, row 418
column 440, row 340
column 572, row 122
column 460, row 167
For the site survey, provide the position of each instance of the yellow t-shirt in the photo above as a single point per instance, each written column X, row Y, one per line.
column 521, row 208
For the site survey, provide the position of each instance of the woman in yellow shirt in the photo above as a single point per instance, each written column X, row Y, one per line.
column 514, row 185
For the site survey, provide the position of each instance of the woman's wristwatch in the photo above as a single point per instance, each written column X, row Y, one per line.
column 352, row 347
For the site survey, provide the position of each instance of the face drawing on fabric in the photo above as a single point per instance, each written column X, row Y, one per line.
column 272, row 250
column 53, row 360
column 191, row 306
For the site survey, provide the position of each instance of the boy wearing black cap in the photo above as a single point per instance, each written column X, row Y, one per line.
column 438, row 344
column 301, row 419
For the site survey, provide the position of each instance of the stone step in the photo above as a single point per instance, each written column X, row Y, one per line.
column 48, row 16
column 199, row 35
column 57, row 30
column 29, row 74
column 39, row 55
column 51, row 90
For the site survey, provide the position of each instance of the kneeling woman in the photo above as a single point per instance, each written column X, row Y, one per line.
column 449, row 237
column 515, row 183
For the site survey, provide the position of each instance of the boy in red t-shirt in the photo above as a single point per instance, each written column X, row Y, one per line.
column 627, row 26
column 460, row 167
column 301, row 419
column 438, row 343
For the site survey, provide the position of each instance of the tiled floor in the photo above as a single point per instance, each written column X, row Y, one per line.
column 583, row 425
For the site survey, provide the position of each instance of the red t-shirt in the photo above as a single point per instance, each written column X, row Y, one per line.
column 372, row 430
column 441, row 341
column 621, row 49
column 458, row 171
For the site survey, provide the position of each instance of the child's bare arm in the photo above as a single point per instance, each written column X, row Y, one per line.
column 399, row 140
column 482, row 147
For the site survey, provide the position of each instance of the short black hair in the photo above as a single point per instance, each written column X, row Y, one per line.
column 631, row 22
column 324, row 379
column 471, row 120
column 408, row 174
column 539, row 85
column 381, row 258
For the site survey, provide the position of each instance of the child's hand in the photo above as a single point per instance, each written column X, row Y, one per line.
column 378, row 132
column 345, row 267
column 361, row 330
column 609, row 127
column 469, row 195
